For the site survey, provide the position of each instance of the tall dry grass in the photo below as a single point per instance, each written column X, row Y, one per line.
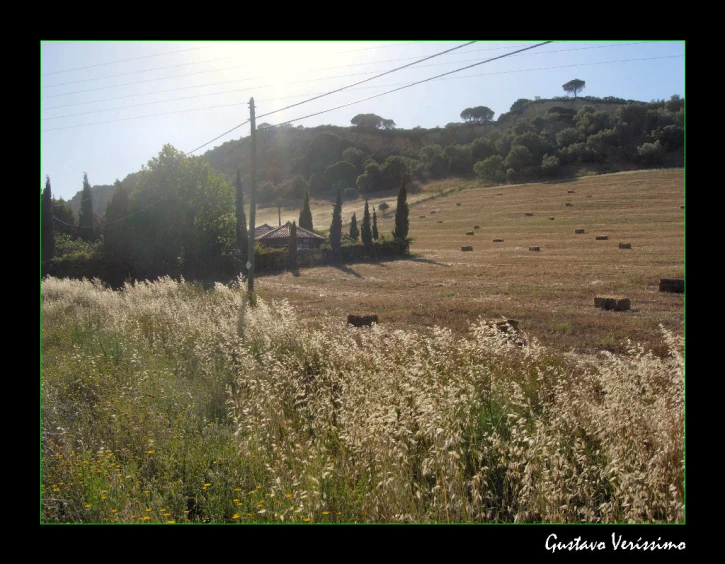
column 339, row 423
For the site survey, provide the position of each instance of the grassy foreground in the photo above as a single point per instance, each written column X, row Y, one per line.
column 165, row 403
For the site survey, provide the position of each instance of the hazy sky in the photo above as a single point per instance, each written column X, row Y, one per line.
column 108, row 107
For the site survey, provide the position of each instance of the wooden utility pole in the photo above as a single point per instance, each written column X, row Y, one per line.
column 252, row 206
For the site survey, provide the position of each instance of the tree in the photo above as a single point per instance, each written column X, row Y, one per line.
column 401, row 214
column 341, row 171
column 116, row 236
column 367, row 121
column 574, row 86
column 375, row 225
column 64, row 220
column 85, row 217
column 46, row 224
column 306, row 214
column 241, row 231
column 354, row 231
column 336, row 226
column 479, row 114
column 366, row 233
column 293, row 246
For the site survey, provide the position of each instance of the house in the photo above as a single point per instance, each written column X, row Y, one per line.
column 279, row 237
column 260, row 230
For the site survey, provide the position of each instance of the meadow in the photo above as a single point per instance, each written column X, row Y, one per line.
column 165, row 402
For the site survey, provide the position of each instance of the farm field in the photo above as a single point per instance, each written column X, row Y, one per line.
column 165, row 402
column 550, row 292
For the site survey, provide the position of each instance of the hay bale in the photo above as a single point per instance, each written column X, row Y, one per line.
column 570, row 191
column 682, row 207
column 625, row 245
column 469, row 232
column 432, row 212
column 589, row 196
column 439, row 221
column 602, row 237
column 578, row 231
column 477, row 227
column 529, row 214
column 612, row 303
column 358, row 320
column 469, row 248
column 534, row 248
column 498, row 240
column 500, row 194
column 675, row 285
column 422, row 217
column 568, row 204
column 551, row 218
column 458, row 203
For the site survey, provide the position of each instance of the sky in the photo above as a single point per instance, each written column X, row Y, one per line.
column 108, row 107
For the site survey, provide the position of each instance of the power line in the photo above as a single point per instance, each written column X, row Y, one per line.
column 415, row 83
column 382, row 46
column 134, row 72
column 125, row 60
column 366, row 87
column 369, row 79
column 231, row 91
column 269, row 86
column 138, row 82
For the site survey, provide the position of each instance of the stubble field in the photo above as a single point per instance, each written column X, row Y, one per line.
column 550, row 292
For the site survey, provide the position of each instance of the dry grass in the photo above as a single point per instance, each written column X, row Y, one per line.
column 542, row 290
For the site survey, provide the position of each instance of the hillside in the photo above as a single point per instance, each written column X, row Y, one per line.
column 605, row 134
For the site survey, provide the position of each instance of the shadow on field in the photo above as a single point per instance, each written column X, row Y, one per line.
column 347, row 270
column 427, row 261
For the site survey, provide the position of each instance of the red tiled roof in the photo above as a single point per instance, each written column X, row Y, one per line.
column 260, row 230
column 283, row 232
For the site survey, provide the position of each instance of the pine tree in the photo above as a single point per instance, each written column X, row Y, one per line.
column 242, row 234
column 293, row 246
column 336, row 226
column 401, row 214
column 365, row 231
column 306, row 214
column 85, row 217
column 354, row 231
column 375, row 225
column 46, row 224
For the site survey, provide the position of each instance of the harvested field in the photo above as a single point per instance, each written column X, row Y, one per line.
column 546, row 292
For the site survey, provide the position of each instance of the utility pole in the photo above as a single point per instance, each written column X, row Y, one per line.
column 252, row 206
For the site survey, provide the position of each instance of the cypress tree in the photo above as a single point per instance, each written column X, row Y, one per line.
column 365, row 231
column 354, row 231
column 306, row 214
column 47, row 248
column 401, row 214
column 242, row 234
column 375, row 225
column 293, row 246
column 85, row 217
column 336, row 226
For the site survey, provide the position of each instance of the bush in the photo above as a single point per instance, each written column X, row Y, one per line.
column 651, row 154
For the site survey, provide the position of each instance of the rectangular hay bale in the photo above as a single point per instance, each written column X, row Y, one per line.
column 625, row 245
column 675, row 285
column 534, row 248
column 612, row 303
column 358, row 320
column 602, row 237
column 468, row 248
